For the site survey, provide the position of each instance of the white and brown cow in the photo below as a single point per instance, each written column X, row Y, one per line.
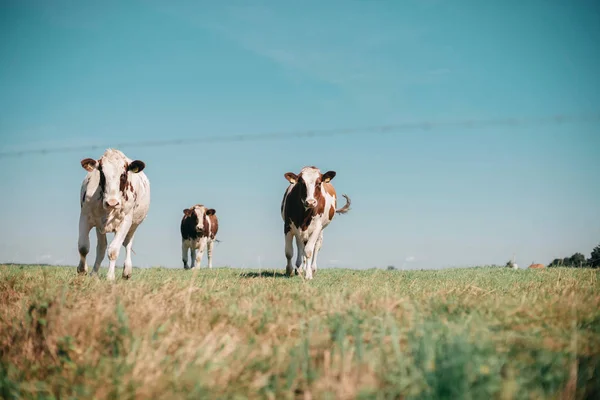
column 115, row 198
column 308, row 206
column 199, row 227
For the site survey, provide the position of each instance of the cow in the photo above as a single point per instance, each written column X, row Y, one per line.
column 308, row 207
column 199, row 227
column 114, row 198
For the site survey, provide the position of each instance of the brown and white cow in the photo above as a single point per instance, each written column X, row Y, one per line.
column 308, row 206
column 199, row 227
column 115, row 197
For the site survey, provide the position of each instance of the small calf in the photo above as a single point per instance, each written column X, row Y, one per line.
column 199, row 227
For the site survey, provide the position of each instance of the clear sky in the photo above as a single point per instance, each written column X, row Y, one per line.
column 84, row 73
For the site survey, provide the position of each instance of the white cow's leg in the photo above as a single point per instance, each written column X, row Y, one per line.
column 300, row 258
column 209, row 250
column 318, row 245
column 115, row 247
column 128, row 244
column 193, row 251
column 200, row 253
column 309, row 250
column 83, row 244
column 289, row 252
column 184, row 253
column 100, row 251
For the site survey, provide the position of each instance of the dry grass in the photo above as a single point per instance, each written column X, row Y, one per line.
column 228, row 333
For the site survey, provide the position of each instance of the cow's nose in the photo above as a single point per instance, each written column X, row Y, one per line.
column 311, row 203
column 112, row 203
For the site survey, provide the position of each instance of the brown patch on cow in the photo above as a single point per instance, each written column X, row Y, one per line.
column 88, row 164
column 536, row 266
column 329, row 189
column 331, row 212
column 123, row 183
column 205, row 226
column 102, row 183
column 214, row 225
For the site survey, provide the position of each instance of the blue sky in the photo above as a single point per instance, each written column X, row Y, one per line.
column 85, row 73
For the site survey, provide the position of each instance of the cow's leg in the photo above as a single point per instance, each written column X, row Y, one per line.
column 83, row 244
column 184, row 253
column 318, row 245
column 309, row 252
column 300, row 258
column 209, row 250
column 200, row 253
column 128, row 244
column 193, row 251
column 115, row 247
column 289, row 252
column 100, row 251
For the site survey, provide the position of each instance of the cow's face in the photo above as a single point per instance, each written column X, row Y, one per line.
column 197, row 215
column 310, row 181
column 114, row 178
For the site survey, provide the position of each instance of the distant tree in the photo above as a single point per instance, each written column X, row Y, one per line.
column 557, row 262
column 577, row 260
column 391, row 268
column 594, row 260
column 509, row 264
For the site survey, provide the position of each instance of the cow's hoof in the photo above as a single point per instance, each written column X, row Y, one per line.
column 126, row 276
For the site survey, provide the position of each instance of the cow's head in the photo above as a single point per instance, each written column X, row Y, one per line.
column 310, row 180
column 114, row 169
column 198, row 217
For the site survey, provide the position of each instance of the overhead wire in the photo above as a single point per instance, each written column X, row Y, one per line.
column 556, row 119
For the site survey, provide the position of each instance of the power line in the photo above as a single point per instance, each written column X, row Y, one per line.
column 381, row 129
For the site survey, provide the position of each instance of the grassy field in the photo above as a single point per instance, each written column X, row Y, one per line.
column 475, row 333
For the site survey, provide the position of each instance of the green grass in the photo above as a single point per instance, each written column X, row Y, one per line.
column 480, row 333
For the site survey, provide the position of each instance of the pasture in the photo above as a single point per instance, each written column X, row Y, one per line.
column 473, row 333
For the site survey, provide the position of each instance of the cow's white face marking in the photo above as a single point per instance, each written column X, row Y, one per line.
column 200, row 211
column 310, row 177
column 113, row 169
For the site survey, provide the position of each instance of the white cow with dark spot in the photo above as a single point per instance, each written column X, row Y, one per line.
column 115, row 198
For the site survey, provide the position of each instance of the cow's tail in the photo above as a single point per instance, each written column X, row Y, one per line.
column 346, row 208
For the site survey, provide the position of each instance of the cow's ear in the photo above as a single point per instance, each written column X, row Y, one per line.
column 329, row 175
column 210, row 211
column 136, row 166
column 89, row 164
column 187, row 211
column 291, row 177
